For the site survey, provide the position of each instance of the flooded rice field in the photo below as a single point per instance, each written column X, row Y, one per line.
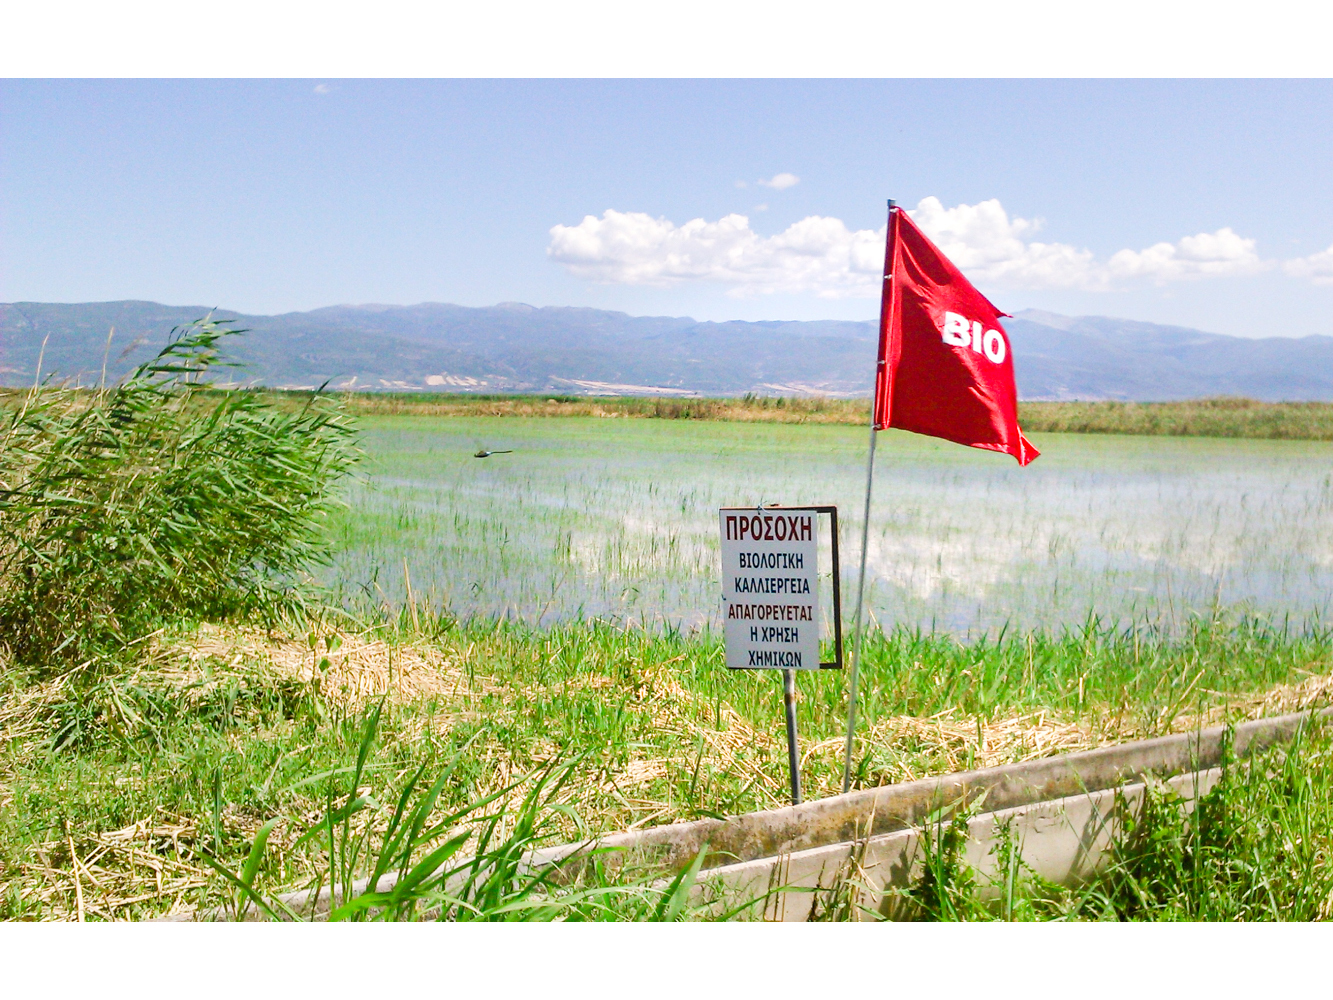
column 617, row 518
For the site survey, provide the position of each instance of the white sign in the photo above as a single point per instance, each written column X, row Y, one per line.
column 770, row 593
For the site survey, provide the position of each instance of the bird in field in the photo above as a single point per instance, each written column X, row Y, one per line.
column 487, row 453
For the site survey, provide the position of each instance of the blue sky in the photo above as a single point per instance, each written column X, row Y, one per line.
column 1202, row 203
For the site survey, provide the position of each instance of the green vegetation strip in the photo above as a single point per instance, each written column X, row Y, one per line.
column 1224, row 417
column 1220, row 417
column 1064, row 814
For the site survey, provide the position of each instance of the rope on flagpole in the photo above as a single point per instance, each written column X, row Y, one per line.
column 861, row 589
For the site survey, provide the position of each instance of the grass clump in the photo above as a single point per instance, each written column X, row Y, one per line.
column 1255, row 846
column 402, row 854
column 155, row 500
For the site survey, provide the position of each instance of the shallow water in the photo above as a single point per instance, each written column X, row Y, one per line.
column 618, row 518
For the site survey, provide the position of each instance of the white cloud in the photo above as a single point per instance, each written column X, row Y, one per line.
column 321, row 88
column 823, row 256
column 816, row 254
column 990, row 247
column 780, row 182
column 1208, row 255
column 1318, row 267
column 761, row 207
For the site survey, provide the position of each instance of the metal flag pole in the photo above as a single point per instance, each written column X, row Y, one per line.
column 861, row 580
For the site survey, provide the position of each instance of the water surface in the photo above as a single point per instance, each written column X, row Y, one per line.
column 618, row 518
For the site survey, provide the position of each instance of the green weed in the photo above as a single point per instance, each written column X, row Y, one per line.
column 648, row 728
column 462, row 864
column 1256, row 846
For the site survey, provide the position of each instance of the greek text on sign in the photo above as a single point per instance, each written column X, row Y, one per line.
column 770, row 593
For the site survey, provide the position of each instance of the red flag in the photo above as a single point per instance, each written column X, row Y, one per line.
column 945, row 367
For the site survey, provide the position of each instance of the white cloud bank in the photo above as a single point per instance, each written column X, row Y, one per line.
column 823, row 256
column 1208, row 255
column 632, row 248
column 1318, row 267
column 780, row 182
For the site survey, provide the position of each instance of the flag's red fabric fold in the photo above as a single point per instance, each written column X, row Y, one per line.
column 945, row 367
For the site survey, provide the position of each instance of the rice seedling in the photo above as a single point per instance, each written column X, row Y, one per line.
column 617, row 519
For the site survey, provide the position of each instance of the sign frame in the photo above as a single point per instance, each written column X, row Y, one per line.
column 832, row 510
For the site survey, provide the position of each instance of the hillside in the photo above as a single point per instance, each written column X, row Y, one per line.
column 513, row 347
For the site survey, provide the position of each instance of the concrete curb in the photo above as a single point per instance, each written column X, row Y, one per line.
column 1063, row 840
column 876, row 811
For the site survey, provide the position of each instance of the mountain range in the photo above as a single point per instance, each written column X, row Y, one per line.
column 514, row 347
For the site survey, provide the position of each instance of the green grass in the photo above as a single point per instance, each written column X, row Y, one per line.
column 1221, row 417
column 452, row 864
column 652, row 727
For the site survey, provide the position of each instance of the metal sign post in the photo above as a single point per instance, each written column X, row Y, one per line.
column 793, row 753
column 770, row 599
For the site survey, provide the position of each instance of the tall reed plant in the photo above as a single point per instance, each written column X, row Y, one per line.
column 156, row 499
